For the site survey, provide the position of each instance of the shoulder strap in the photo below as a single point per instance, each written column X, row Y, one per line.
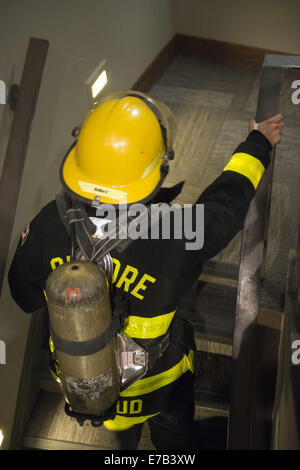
column 73, row 214
column 63, row 203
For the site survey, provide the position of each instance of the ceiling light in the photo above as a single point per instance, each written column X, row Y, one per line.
column 2, row 92
column 97, row 81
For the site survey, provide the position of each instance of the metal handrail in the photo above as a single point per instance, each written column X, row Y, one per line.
column 18, row 142
column 255, row 347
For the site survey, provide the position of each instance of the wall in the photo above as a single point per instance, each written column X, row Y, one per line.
column 129, row 34
column 269, row 24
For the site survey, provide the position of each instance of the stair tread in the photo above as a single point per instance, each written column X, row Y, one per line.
column 210, row 307
column 50, row 428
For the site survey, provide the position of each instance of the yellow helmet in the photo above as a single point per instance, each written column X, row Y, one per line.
column 122, row 152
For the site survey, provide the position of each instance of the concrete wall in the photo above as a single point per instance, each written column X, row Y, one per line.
column 129, row 34
column 269, row 24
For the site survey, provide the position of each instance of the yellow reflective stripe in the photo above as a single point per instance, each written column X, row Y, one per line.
column 51, row 345
column 56, row 378
column 150, row 384
column 121, row 423
column 248, row 166
column 148, row 328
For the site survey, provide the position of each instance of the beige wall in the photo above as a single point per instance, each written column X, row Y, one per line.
column 129, row 34
column 270, row 24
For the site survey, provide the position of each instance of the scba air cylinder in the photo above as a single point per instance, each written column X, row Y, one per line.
column 80, row 326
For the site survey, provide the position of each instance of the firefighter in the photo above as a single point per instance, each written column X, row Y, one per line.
column 121, row 155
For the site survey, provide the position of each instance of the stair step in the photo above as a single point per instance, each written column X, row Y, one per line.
column 220, row 273
column 210, row 307
column 50, row 428
column 213, row 373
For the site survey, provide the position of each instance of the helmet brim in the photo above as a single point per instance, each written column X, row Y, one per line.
column 87, row 188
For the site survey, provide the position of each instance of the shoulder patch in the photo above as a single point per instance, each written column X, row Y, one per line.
column 25, row 234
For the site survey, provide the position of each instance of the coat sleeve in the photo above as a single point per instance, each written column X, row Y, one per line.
column 26, row 272
column 227, row 199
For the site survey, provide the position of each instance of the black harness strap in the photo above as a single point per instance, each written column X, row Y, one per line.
column 181, row 331
column 155, row 350
column 63, row 203
column 120, row 310
column 73, row 214
column 82, row 348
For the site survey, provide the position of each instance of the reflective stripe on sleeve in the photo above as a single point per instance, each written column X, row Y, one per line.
column 248, row 166
column 148, row 328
